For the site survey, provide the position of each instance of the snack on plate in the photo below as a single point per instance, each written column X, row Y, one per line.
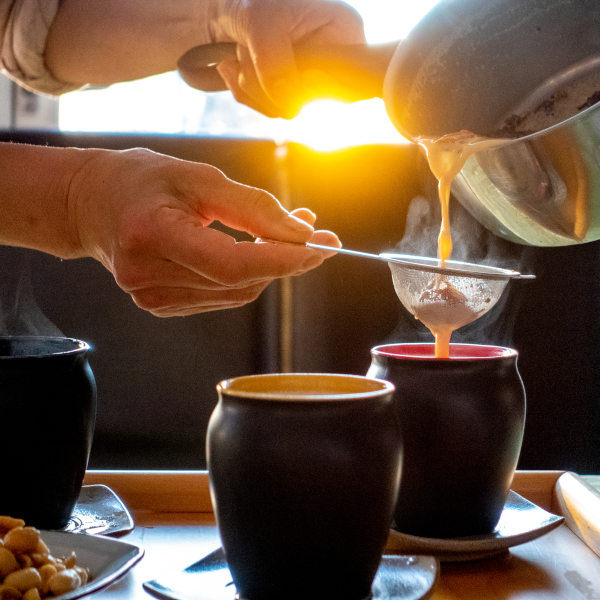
column 28, row 571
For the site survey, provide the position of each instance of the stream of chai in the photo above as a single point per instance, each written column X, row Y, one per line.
column 446, row 156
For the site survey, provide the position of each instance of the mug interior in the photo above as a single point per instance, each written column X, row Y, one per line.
column 419, row 351
column 28, row 346
column 304, row 386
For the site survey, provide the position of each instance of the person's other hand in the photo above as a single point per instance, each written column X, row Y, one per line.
column 265, row 75
column 147, row 218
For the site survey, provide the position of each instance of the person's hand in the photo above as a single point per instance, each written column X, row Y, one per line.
column 147, row 218
column 265, row 75
column 101, row 42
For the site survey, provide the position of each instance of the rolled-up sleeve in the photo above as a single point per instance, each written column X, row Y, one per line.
column 24, row 26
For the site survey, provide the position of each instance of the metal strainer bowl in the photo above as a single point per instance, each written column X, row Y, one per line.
column 455, row 294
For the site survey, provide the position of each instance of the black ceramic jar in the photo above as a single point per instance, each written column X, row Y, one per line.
column 48, row 410
column 462, row 422
column 304, row 472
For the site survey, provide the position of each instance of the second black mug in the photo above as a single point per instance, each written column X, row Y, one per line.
column 462, row 421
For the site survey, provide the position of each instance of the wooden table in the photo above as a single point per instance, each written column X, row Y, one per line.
column 175, row 525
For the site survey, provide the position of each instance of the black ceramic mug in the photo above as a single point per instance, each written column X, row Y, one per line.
column 304, row 472
column 462, row 422
column 48, row 410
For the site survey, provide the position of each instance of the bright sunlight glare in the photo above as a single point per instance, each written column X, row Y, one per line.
column 327, row 125
column 165, row 104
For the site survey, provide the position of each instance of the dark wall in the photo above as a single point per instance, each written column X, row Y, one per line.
column 558, row 335
column 156, row 377
column 349, row 305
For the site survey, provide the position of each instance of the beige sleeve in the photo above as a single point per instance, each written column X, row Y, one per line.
column 24, row 26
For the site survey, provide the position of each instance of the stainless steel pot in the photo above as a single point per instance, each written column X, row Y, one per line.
column 472, row 65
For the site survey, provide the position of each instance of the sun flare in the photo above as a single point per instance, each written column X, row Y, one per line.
column 328, row 125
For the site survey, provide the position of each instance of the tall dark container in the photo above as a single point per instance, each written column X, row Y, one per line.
column 48, row 412
column 304, row 473
column 462, row 421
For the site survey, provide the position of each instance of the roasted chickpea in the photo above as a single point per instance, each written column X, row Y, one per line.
column 65, row 581
column 8, row 562
column 23, row 579
column 7, row 523
column 22, row 539
column 8, row 593
column 32, row 594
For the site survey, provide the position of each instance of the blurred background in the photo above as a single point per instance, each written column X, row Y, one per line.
column 156, row 378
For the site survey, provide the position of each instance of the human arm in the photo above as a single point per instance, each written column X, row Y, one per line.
column 105, row 41
column 146, row 217
column 101, row 42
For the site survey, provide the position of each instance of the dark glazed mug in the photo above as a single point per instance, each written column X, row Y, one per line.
column 48, row 408
column 462, row 422
column 304, row 472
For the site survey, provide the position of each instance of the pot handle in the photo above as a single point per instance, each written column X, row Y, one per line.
column 355, row 72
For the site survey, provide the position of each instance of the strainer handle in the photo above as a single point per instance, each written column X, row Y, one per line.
column 350, row 252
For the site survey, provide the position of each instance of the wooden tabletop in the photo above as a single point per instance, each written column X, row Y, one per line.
column 175, row 526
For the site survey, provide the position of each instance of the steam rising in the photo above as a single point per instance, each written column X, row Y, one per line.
column 471, row 243
column 19, row 312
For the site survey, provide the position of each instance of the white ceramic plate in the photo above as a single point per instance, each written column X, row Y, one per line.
column 398, row 578
column 106, row 558
column 521, row 521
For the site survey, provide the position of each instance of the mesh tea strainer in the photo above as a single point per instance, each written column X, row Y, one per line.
column 457, row 293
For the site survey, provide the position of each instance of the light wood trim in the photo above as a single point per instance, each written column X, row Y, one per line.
column 579, row 503
column 188, row 491
column 157, row 491
column 537, row 486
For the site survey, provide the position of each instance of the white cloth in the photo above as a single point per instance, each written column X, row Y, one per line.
column 24, row 26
